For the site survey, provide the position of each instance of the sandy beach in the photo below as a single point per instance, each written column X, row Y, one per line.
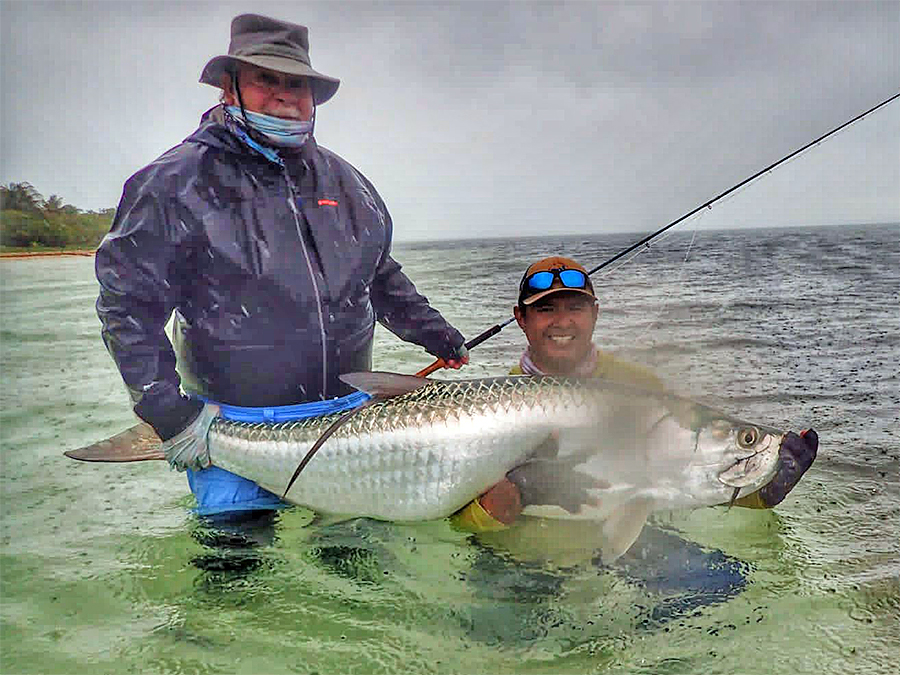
column 44, row 254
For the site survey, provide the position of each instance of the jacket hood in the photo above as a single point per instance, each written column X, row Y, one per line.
column 214, row 133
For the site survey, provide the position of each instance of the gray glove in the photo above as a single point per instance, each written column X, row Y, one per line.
column 555, row 482
column 189, row 449
column 796, row 455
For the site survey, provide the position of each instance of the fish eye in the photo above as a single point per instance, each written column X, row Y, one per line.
column 747, row 437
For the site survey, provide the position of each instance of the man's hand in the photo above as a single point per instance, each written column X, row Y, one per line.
column 502, row 502
column 459, row 358
column 796, row 455
column 189, row 449
column 554, row 482
column 544, row 480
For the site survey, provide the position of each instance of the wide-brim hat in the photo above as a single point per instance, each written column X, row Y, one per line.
column 554, row 263
column 273, row 44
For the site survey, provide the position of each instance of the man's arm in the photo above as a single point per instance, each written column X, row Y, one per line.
column 138, row 267
column 499, row 507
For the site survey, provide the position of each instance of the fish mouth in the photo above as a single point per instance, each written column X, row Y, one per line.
column 752, row 469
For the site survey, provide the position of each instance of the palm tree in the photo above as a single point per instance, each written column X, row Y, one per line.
column 20, row 197
column 54, row 203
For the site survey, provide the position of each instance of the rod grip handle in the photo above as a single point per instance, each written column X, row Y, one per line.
column 437, row 365
column 474, row 342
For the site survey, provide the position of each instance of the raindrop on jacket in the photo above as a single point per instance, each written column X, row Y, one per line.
column 275, row 274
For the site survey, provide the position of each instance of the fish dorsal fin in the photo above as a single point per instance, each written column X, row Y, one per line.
column 624, row 526
column 383, row 384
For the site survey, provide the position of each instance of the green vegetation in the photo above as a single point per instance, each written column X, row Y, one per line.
column 30, row 222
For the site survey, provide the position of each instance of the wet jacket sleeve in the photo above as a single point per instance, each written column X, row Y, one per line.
column 402, row 309
column 137, row 265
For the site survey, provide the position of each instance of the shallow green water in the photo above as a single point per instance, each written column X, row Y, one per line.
column 104, row 569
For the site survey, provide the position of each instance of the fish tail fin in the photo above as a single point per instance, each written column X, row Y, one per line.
column 137, row 444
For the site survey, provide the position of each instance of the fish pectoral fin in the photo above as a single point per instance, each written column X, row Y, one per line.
column 383, row 384
column 137, row 444
column 624, row 526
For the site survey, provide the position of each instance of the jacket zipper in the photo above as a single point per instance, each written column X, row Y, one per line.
column 293, row 198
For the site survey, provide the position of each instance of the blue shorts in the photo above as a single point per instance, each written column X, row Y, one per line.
column 220, row 491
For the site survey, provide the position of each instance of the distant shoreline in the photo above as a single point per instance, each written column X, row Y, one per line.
column 44, row 254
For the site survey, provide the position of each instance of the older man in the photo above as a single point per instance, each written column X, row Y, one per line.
column 557, row 311
column 273, row 253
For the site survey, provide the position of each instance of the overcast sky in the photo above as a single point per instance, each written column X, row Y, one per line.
column 488, row 118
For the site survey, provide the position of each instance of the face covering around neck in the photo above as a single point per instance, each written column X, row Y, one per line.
column 280, row 132
column 584, row 369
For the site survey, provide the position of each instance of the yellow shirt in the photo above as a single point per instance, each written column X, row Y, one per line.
column 611, row 368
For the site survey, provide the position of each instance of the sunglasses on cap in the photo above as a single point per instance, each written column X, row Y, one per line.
column 541, row 281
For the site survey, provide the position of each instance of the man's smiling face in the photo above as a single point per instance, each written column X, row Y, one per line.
column 559, row 328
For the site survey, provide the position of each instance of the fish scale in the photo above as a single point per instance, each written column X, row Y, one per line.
column 421, row 449
column 425, row 453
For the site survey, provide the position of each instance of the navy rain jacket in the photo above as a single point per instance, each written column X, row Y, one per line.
column 271, row 302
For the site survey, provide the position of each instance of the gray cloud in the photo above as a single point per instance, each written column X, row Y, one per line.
column 493, row 119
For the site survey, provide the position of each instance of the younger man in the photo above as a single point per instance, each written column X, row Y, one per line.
column 557, row 311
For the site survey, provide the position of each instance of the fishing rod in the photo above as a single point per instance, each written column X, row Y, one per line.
column 493, row 330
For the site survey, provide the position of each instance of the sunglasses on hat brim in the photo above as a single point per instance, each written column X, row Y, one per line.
column 541, row 281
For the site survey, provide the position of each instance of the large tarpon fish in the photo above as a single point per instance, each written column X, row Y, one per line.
column 424, row 448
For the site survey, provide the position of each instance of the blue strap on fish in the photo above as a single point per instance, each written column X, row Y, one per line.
column 219, row 491
column 289, row 413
